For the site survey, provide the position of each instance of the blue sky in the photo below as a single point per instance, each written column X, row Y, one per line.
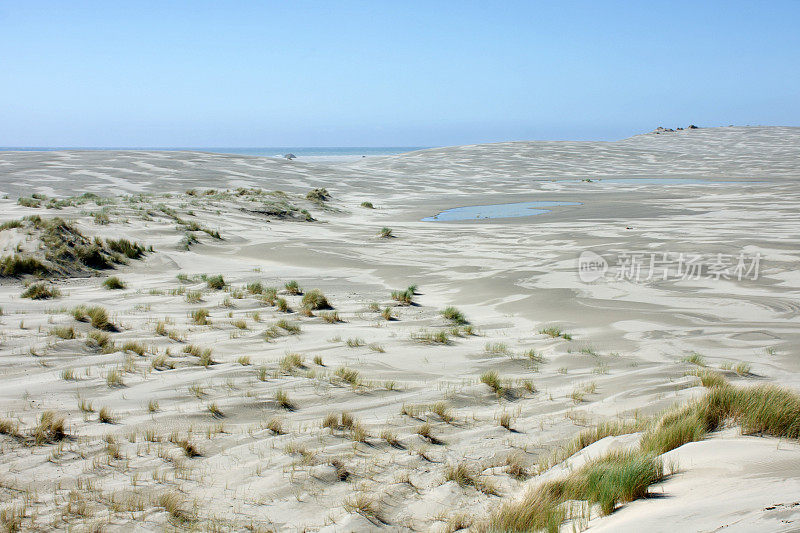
column 381, row 73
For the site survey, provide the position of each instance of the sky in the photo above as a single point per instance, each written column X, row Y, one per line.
column 383, row 73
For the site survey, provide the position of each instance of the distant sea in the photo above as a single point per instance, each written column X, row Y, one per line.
column 310, row 154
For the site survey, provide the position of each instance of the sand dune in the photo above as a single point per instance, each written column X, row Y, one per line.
column 259, row 464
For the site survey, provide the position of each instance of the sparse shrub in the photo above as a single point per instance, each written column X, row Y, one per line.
column 244, row 360
column 113, row 283
column 40, row 291
column 386, row 233
column 318, row 360
column 367, row 205
column 387, row 314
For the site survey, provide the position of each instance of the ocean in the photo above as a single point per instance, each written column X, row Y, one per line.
column 311, row 154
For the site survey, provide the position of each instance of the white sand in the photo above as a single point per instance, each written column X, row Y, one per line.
column 510, row 277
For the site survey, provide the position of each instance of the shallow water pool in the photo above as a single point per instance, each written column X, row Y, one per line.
column 519, row 209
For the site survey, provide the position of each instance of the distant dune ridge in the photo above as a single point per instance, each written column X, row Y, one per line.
column 730, row 152
column 199, row 341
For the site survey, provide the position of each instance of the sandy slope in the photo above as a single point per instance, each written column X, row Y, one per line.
column 510, row 277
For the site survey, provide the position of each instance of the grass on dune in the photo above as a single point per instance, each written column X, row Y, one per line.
column 314, row 299
column 620, row 477
column 40, row 291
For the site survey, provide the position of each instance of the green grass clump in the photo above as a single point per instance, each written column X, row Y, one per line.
column 135, row 347
column 96, row 315
column 431, row 337
column 314, row 299
column 386, row 233
column 454, row 315
column 18, row 265
column 555, row 333
column 215, row 282
column 292, row 287
column 695, row 359
column 318, row 195
column 405, row 297
column 29, row 202
column 331, row 317
column 367, row 205
column 348, row 375
column 255, row 288
column 491, row 379
column 114, row 283
column 289, row 327
column 63, row 332
column 616, row 478
column 40, row 291
column 100, row 340
column 131, row 250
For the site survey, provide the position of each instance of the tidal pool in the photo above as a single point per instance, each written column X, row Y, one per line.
column 519, row 209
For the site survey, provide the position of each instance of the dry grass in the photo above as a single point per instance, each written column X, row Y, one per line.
column 200, row 316
column 282, row 399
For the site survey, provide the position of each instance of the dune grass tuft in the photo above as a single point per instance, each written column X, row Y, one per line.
column 113, row 283
column 40, row 291
column 314, row 299
column 454, row 315
column 555, row 332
